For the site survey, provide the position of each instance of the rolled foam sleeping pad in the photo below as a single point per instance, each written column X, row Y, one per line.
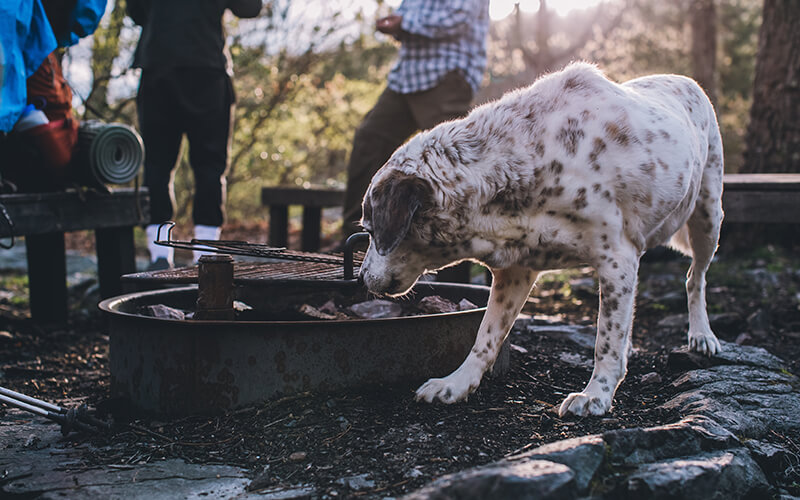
column 110, row 153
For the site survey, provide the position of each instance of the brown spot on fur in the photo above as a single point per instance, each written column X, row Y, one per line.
column 580, row 201
column 598, row 146
column 648, row 168
column 570, row 136
column 617, row 134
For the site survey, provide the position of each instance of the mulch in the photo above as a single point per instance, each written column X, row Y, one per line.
column 323, row 439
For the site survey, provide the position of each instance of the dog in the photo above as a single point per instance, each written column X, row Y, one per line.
column 572, row 170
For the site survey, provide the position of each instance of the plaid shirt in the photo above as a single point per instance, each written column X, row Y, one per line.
column 439, row 36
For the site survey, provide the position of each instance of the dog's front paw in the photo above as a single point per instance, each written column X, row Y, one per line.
column 450, row 389
column 582, row 404
column 704, row 342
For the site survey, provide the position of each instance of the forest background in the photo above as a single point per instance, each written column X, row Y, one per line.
column 305, row 74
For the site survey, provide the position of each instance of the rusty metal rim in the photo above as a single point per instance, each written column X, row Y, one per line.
column 107, row 306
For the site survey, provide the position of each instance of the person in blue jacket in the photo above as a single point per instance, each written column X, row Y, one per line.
column 27, row 37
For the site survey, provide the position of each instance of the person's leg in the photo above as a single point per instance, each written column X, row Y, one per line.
column 384, row 129
column 449, row 99
column 209, row 104
column 162, row 134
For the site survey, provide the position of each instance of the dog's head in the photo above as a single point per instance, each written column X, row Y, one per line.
column 394, row 202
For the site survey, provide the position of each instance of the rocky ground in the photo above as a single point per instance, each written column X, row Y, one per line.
column 377, row 442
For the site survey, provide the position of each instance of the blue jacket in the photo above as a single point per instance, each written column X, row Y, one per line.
column 26, row 39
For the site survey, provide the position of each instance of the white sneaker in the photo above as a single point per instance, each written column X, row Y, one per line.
column 202, row 232
column 158, row 252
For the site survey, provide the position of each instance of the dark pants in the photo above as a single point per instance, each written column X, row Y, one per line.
column 387, row 126
column 197, row 102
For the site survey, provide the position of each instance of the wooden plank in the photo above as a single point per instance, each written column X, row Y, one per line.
column 313, row 197
column 72, row 210
column 115, row 257
column 762, row 182
column 47, row 277
column 761, row 206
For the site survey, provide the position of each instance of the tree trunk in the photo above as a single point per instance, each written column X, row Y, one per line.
column 704, row 46
column 773, row 135
column 104, row 51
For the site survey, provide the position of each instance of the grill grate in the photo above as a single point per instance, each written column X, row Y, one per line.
column 252, row 273
column 285, row 266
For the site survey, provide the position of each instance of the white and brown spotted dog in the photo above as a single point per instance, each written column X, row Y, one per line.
column 574, row 169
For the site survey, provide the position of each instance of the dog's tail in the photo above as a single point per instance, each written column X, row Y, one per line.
column 680, row 241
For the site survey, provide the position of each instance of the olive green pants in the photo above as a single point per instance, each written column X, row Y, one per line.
column 388, row 125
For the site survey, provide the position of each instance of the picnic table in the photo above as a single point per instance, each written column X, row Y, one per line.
column 43, row 218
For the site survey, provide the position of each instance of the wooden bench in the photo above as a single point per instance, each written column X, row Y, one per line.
column 43, row 218
column 278, row 199
column 763, row 198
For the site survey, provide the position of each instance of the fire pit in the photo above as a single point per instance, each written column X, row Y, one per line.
column 180, row 366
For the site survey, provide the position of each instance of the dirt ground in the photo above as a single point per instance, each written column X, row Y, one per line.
column 379, row 442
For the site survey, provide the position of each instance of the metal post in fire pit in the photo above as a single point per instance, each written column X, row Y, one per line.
column 215, row 288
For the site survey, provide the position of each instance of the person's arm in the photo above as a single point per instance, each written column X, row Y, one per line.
column 245, row 8
column 450, row 20
column 137, row 10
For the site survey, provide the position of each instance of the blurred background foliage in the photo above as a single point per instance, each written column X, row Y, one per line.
column 305, row 75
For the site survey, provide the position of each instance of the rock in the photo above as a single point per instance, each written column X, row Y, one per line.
column 434, row 304
column 298, row 456
column 692, row 435
column 674, row 322
column 744, row 339
column 240, row 306
column 582, row 336
column 466, row 305
column 163, row 312
column 6, row 336
column 681, row 359
column 378, row 308
column 749, row 401
column 714, row 475
column 538, row 479
column 359, row 482
column 651, row 378
column 772, row 458
column 583, row 455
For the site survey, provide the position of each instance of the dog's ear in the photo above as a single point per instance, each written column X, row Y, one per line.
column 394, row 202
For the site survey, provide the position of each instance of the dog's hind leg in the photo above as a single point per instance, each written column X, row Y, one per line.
column 510, row 289
column 617, row 270
column 703, row 229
